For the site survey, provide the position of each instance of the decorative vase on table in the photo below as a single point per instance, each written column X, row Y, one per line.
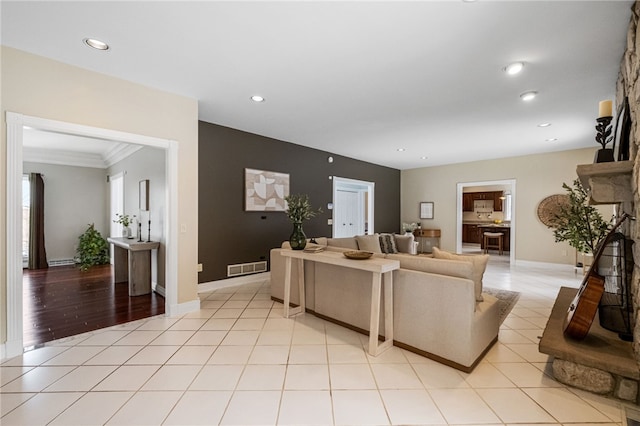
column 297, row 240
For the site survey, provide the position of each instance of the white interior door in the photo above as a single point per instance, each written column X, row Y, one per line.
column 348, row 213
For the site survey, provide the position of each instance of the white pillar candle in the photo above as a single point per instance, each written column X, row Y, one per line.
column 605, row 109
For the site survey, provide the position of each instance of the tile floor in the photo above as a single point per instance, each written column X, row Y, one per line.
column 238, row 362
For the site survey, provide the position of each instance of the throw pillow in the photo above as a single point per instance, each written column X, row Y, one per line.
column 369, row 243
column 388, row 243
column 479, row 265
column 405, row 243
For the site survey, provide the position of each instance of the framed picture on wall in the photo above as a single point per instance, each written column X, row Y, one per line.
column 265, row 191
column 426, row 210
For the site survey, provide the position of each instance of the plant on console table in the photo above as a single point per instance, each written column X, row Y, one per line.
column 298, row 210
column 579, row 223
column 125, row 220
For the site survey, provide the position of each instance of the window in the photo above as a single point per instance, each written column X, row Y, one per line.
column 506, row 207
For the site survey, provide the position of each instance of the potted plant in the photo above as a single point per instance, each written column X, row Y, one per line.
column 298, row 210
column 92, row 249
column 125, row 220
column 579, row 223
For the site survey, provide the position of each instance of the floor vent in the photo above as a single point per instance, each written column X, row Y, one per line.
column 61, row 262
column 246, row 268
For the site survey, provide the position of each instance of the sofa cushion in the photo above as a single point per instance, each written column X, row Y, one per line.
column 405, row 243
column 479, row 265
column 369, row 243
column 388, row 243
column 451, row 268
column 349, row 243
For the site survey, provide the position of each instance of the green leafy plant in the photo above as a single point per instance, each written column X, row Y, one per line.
column 124, row 219
column 299, row 208
column 579, row 223
column 92, row 249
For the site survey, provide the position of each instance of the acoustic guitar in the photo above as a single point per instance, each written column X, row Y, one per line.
column 584, row 306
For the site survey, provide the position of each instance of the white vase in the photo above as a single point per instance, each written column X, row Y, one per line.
column 126, row 232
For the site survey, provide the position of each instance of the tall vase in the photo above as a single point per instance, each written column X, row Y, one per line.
column 297, row 239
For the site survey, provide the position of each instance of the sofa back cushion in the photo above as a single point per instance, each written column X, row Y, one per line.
column 388, row 243
column 452, row 268
column 405, row 243
column 479, row 263
column 369, row 243
column 349, row 243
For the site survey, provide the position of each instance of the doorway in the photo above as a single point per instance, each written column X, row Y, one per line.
column 507, row 216
column 16, row 124
column 353, row 202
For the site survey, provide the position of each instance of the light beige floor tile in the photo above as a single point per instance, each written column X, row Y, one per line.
column 279, row 323
column 337, row 335
column 256, row 313
column 260, row 304
column 202, row 313
column 512, row 336
column 211, row 304
column 262, row 377
column 565, row 406
column 534, row 336
column 514, row 406
column 346, row 354
column 153, row 355
column 411, row 407
column 227, row 313
column 516, row 323
column 269, row 355
column 249, row 324
column 231, row 355
column 206, row 338
column 529, row 351
column 217, row 377
column 94, row 408
column 199, row 408
column 525, row 375
column 308, row 354
column 172, row 377
column 12, row 400
column 438, row 376
column 307, row 377
column 114, row 355
column 188, row 324
column 393, row 355
column 462, row 406
column 83, row 378
column 609, row 407
column 275, row 337
column 396, row 376
column 240, row 337
column 502, row 353
column 308, row 336
column 159, row 324
column 252, row 408
column 139, row 338
column 193, row 355
column 306, row 407
column 351, row 376
column 485, row 375
column 358, row 407
column 8, row 374
column 242, row 296
column 219, row 324
column 146, row 408
column 104, row 338
column 127, row 378
column 172, row 338
column 41, row 409
column 37, row 379
column 76, row 355
column 35, row 357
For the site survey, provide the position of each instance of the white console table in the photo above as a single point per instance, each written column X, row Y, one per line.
column 132, row 263
column 379, row 267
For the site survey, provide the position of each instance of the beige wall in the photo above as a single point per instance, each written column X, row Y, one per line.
column 536, row 176
column 40, row 87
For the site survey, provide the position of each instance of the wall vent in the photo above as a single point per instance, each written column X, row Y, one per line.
column 61, row 262
column 246, row 268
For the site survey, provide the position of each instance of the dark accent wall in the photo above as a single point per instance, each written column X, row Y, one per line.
column 230, row 235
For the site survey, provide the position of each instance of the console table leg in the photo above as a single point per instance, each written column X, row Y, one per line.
column 374, row 322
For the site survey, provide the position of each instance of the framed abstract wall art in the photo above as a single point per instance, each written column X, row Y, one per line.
column 265, row 190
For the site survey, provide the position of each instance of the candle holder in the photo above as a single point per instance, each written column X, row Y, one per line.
column 603, row 137
column 139, row 232
column 149, row 233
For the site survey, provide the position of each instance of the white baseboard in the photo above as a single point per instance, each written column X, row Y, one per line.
column 230, row 282
column 183, row 308
column 158, row 289
column 11, row 349
column 546, row 265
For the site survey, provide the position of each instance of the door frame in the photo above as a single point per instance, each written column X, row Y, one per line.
column 512, row 237
column 364, row 186
column 15, row 125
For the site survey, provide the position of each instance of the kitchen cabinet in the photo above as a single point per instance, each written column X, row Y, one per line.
column 470, row 234
column 467, row 202
column 468, row 199
column 497, row 201
column 506, row 230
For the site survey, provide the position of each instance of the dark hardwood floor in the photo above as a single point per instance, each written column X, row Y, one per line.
column 63, row 301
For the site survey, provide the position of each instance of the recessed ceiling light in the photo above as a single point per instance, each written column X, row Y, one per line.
column 424, row 157
column 514, row 68
column 401, row 149
column 544, row 124
column 96, row 44
column 257, row 98
column 551, row 139
column 527, row 96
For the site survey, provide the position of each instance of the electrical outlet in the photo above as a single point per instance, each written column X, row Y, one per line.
column 329, row 221
column 199, row 267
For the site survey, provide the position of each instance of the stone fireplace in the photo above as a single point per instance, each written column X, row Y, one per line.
column 602, row 363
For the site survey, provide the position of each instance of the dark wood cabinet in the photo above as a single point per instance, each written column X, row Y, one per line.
column 506, row 239
column 497, row 201
column 470, row 234
column 467, row 202
column 468, row 199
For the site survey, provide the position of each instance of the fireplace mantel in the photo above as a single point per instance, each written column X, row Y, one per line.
column 607, row 183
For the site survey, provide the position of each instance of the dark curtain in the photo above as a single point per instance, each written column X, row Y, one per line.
column 37, row 252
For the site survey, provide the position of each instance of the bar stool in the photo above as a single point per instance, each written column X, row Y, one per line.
column 493, row 240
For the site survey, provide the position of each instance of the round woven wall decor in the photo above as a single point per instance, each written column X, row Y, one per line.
column 550, row 207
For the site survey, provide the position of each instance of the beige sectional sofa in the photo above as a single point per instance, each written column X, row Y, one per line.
column 437, row 311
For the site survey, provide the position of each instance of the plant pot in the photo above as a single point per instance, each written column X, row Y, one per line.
column 297, row 240
column 604, row 155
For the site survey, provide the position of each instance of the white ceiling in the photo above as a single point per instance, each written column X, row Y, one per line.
column 359, row 79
